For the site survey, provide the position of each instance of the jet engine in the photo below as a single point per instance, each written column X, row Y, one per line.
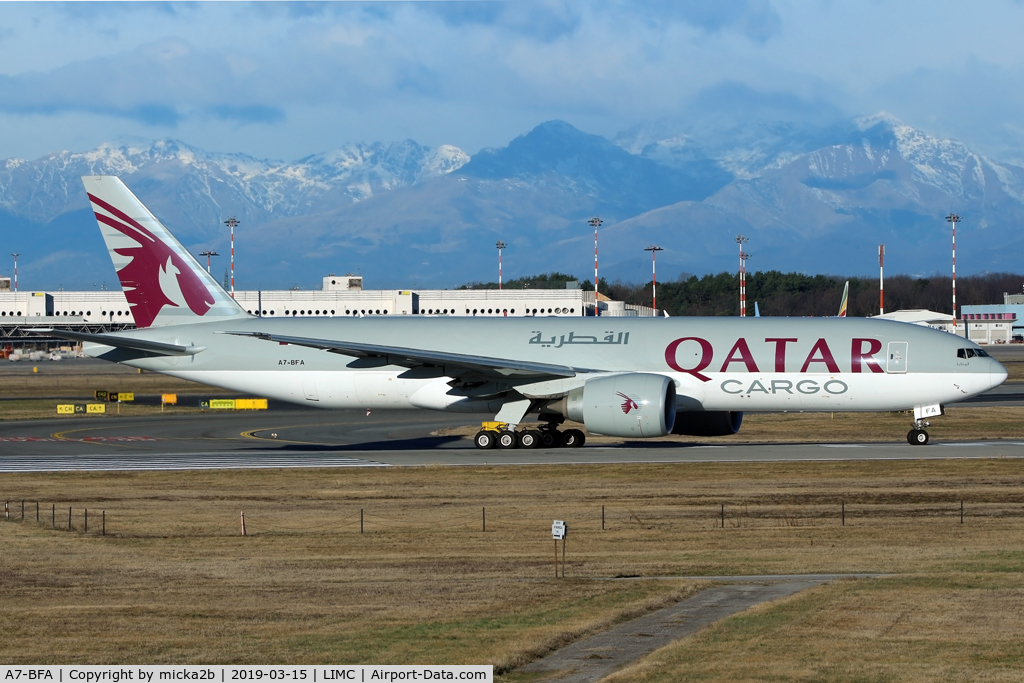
column 710, row 423
column 631, row 405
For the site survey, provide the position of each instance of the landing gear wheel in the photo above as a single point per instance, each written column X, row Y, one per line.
column 507, row 439
column 529, row 439
column 485, row 439
column 573, row 438
column 550, row 438
column 917, row 437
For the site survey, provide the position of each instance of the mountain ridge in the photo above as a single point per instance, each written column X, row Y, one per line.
column 402, row 212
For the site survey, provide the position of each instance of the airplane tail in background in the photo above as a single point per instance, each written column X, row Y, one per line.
column 846, row 295
column 163, row 283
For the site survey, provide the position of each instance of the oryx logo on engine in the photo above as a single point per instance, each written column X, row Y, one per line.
column 628, row 404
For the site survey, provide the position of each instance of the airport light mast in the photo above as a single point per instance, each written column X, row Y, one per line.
column 596, row 222
column 208, row 253
column 654, row 249
column 15, row 271
column 953, row 218
column 741, row 240
column 500, row 245
column 231, row 223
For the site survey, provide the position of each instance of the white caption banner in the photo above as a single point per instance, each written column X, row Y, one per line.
column 245, row 674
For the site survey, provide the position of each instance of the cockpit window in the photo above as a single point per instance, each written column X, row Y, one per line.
column 971, row 353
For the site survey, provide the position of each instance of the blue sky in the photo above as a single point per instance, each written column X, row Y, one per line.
column 283, row 80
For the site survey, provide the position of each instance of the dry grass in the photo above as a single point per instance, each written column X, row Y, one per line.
column 73, row 379
column 37, row 409
column 1014, row 370
column 174, row 582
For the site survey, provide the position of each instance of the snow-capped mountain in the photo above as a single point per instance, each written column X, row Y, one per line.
column 816, row 198
column 191, row 187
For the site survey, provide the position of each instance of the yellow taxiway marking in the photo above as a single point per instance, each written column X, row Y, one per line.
column 251, row 434
column 61, row 436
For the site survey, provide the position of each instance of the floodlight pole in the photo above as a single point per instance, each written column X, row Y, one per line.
column 208, row 253
column 953, row 218
column 231, row 223
column 15, row 271
column 654, row 249
column 881, row 280
column 500, row 245
column 596, row 222
column 741, row 240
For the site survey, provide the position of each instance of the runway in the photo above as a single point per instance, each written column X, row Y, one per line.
column 339, row 439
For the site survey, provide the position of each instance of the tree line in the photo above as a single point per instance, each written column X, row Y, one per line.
column 791, row 294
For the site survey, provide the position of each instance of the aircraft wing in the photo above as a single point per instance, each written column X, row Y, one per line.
column 132, row 343
column 454, row 364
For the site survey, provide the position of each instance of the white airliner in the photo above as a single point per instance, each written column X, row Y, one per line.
column 628, row 377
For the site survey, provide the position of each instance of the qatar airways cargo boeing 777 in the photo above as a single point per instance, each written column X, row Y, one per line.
column 628, row 377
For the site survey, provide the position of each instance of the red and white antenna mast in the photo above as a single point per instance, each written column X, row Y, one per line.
column 881, row 280
column 208, row 254
column 953, row 218
column 500, row 245
column 654, row 278
column 596, row 222
column 231, row 223
column 741, row 240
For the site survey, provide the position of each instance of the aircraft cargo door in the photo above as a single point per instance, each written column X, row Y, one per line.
column 896, row 361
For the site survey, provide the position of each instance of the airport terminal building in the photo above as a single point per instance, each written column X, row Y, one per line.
column 108, row 311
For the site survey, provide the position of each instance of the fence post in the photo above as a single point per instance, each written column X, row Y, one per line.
column 7, row 510
column 86, row 520
column 723, row 515
column 602, row 518
column 53, row 516
column 844, row 513
column 69, row 519
column 37, row 512
column 242, row 517
column 104, row 532
column 360, row 520
column 961, row 511
column 483, row 512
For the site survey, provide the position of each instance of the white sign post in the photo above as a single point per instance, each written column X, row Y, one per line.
column 559, row 530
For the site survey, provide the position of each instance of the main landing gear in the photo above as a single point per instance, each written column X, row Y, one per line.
column 499, row 435
column 918, row 436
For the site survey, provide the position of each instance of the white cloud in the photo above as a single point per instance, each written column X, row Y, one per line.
column 287, row 79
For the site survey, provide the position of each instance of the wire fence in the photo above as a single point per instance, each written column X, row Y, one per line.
column 327, row 518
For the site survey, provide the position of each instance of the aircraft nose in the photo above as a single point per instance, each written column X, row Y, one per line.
column 997, row 373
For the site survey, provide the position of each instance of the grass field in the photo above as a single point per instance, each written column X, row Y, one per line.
column 174, row 581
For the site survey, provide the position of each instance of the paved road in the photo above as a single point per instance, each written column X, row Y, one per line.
column 353, row 439
column 593, row 658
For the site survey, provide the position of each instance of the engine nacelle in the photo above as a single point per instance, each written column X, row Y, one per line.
column 633, row 405
column 710, row 423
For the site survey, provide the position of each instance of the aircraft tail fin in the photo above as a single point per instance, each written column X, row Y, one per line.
column 846, row 295
column 757, row 311
column 162, row 281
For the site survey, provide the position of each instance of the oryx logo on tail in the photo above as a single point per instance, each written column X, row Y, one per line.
column 152, row 270
column 162, row 282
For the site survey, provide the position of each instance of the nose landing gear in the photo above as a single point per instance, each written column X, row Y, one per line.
column 918, row 436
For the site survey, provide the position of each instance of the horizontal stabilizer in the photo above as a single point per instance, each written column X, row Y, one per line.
column 116, row 341
column 410, row 358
